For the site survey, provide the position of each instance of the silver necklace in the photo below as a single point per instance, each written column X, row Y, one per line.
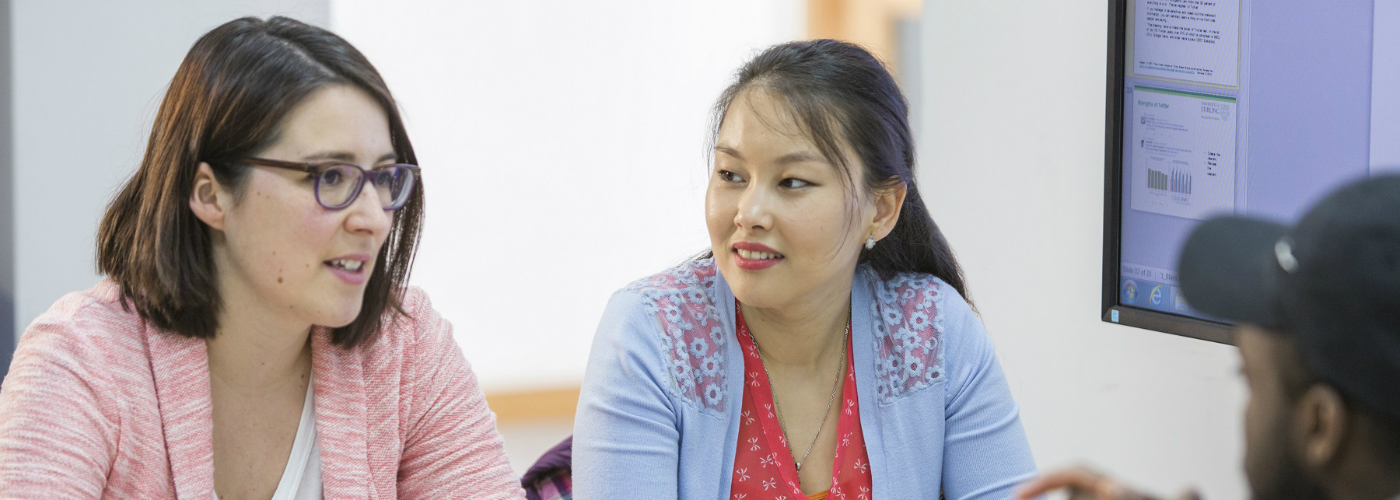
column 826, row 414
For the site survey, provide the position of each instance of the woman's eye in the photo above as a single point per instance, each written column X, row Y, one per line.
column 382, row 178
column 728, row 176
column 331, row 177
column 792, row 183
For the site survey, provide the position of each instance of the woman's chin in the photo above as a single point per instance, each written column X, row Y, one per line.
column 341, row 317
column 752, row 294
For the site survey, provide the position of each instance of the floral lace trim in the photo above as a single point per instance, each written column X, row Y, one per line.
column 694, row 337
column 908, row 334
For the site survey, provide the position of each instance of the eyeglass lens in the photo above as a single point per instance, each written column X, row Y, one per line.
column 337, row 186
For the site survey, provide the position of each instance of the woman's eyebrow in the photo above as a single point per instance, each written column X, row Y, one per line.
column 345, row 156
column 799, row 157
column 796, row 157
column 330, row 155
column 729, row 151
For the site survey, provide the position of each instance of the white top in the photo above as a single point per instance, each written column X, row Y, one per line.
column 301, row 479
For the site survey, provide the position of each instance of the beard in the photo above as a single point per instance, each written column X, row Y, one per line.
column 1289, row 481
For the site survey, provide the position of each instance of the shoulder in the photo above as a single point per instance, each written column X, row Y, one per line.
column 691, row 282
column 680, row 299
column 416, row 307
column 910, row 291
column 915, row 315
column 414, row 355
column 93, row 327
column 413, row 322
column 918, row 302
column 413, row 337
column 676, row 314
column 100, row 305
column 86, row 349
column 933, row 334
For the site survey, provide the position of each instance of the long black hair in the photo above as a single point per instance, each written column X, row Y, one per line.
column 845, row 98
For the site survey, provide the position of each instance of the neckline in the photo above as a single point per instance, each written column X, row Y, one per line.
column 302, row 446
column 761, row 392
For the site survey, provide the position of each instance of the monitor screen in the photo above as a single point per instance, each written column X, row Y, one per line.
column 1256, row 107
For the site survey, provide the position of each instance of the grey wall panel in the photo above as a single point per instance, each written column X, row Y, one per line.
column 8, row 331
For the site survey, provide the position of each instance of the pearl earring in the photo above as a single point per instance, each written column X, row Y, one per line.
column 870, row 243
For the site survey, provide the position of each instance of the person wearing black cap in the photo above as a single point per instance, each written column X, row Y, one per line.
column 1318, row 312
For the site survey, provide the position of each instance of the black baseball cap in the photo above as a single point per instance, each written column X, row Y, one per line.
column 1331, row 283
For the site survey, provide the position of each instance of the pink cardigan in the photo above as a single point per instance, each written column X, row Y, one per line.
column 98, row 404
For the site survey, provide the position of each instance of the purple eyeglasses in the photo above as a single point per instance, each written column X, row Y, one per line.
column 338, row 184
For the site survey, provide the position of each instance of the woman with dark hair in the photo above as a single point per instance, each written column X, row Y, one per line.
column 823, row 346
column 255, row 337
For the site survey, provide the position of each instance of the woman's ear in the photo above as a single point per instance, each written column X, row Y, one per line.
column 209, row 200
column 889, row 200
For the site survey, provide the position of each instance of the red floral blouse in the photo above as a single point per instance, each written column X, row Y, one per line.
column 763, row 466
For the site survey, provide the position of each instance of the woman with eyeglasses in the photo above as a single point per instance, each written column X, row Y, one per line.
column 255, row 336
column 823, row 347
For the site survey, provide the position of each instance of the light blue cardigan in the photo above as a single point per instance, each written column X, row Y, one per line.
column 658, row 417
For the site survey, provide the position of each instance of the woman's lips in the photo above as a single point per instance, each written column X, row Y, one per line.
column 350, row 269
column 755, row 256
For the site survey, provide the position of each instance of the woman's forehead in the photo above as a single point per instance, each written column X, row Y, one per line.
column 756, row 127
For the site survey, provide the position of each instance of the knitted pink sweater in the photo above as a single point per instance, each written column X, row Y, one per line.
column 98, row 404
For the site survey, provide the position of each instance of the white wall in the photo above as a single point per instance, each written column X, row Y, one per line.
column 88, row 78
column 1012, row 158
column 562, row 152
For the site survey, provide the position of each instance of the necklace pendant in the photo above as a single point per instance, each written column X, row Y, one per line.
column 799, row 466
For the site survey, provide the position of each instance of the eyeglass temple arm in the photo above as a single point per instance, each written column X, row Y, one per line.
column 304, row 167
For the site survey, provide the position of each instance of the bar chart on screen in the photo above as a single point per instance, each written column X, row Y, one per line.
column 1175, row 182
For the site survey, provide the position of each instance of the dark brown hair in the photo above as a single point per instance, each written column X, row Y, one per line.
column 227, row 102
column 842, row 95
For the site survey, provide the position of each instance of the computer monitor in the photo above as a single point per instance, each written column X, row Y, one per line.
column 1255, row 107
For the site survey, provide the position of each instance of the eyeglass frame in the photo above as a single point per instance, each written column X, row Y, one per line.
column 316, row 168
